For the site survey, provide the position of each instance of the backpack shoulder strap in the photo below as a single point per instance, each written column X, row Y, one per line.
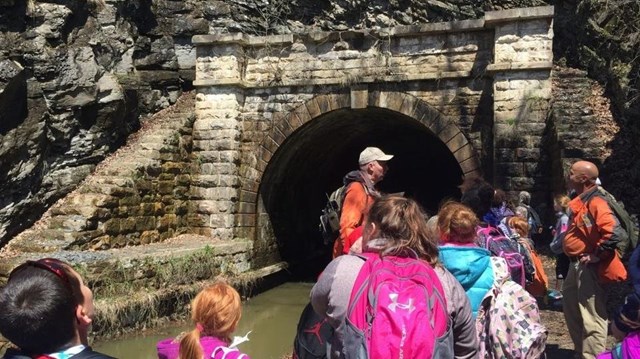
column 586, row 199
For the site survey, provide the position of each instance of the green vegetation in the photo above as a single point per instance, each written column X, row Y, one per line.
column 109, row 280
column 136, row 294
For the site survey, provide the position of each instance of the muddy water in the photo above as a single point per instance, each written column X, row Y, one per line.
column 271, row 316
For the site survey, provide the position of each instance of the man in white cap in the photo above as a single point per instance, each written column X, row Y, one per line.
column 359, row 195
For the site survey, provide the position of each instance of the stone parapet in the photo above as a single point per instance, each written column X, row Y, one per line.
column 305, row 62
column 521, row 37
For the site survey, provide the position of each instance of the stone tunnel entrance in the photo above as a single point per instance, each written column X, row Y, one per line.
column 280, row 119
column 312, row 161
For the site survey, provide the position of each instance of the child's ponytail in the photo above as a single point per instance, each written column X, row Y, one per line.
column 190, row 347
column 215, row 311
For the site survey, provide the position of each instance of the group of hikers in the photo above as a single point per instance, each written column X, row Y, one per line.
column 460, row 284
column 481, row 251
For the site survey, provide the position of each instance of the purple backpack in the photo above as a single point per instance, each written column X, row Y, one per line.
column 629, row 348
column 500, row 246
column 397, row 310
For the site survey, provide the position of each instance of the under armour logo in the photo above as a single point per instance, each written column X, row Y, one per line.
column 394, row 299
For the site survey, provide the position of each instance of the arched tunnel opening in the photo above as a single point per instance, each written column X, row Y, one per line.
column 312, row 161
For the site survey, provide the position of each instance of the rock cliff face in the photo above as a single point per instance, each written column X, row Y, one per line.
column 74, row 78
column 76, row 75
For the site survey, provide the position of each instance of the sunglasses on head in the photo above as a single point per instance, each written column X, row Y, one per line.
column 49, row 264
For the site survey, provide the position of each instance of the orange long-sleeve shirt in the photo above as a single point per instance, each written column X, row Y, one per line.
column 591, row 224
column 355, row 208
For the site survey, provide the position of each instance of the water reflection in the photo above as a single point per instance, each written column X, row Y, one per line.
column 271, row 316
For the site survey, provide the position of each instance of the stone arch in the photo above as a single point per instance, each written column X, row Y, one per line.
column 398, row 104
column 284, row 125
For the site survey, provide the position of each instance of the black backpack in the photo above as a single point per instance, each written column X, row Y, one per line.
column 534, row 220
column 312, row 336
column 330, row 217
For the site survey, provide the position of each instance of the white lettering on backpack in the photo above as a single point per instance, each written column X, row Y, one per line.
column 394, row 299
column 404, row 336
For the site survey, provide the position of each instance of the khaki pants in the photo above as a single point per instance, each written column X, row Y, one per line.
column 584, row 306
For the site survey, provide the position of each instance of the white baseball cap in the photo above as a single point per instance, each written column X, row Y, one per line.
column 373, row 154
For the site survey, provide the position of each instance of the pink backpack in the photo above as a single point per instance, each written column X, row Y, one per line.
column 397, row 310
column 493, row 240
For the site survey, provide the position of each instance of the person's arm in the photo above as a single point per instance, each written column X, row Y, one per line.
column 353, row 208
column 331, row 293
column 606, row 223
column 320, row 292
column 463, row 323
column 606, row 226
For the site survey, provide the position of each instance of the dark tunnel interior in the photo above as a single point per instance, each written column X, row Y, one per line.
column 311, row 162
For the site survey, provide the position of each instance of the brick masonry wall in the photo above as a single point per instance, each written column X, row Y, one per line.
column 486, row 84
column 140, row 195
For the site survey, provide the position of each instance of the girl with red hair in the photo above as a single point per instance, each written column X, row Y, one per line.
column 216, row 311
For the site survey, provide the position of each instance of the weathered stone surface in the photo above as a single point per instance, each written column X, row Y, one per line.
column 13, row 95
column 433, row 62
column 130, row 195
column 135, row 49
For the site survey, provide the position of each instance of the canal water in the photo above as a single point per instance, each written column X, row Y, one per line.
column 271, row 317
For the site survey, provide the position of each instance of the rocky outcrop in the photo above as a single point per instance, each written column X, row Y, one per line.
column 75, row 76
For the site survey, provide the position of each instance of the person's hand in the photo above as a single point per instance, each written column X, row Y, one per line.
column 617, row 333
column 587, row 258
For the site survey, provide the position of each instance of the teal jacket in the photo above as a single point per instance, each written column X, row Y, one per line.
column 472, row 268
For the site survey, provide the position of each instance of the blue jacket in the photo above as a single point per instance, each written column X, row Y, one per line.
column 472, row 268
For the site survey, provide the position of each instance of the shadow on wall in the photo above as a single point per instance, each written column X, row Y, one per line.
column 310, row 164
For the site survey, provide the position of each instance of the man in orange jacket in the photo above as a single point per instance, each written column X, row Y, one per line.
column 360, row 194
column 589, row 240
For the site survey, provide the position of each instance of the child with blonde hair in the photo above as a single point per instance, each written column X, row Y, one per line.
column 457, row 224
column 539, row 283
column 216, row 311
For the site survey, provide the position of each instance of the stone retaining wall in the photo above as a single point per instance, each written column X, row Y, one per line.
column 138, row 196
